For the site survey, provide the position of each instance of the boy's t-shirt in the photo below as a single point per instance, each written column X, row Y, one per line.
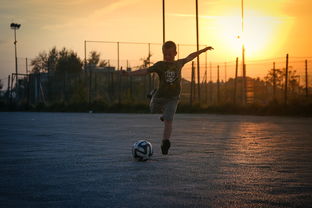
column 169, row 74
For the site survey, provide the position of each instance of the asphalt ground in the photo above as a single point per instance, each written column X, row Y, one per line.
column 84, row 160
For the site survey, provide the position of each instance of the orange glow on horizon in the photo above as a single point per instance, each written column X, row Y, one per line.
column 272, row 29
column 263, row 34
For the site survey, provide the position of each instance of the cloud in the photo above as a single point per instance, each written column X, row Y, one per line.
column 57, row 3
column 93, row 16
column 251, row 13
column 57, row 27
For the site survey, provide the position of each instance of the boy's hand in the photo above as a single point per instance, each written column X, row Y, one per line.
column 208, row 48
column 197, row 53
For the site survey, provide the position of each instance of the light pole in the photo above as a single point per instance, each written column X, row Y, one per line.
column 164, row 22
column 243, row 58
column 15, row 26
column 198, row 62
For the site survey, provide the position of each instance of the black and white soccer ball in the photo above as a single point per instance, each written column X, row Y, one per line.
column 142, row 150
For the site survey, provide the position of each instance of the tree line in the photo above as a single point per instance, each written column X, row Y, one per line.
column 68, row 83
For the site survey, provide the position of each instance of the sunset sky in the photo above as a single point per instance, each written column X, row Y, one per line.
column 272, row 27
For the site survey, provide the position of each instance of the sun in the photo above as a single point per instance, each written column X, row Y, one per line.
column 257, row 36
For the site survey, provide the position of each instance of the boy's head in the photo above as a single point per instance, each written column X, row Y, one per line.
column 169, row 49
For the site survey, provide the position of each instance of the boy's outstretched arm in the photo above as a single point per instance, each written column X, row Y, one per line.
column 137, row 72
column 197, row 53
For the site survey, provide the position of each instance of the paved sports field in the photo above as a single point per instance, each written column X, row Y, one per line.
column 84, row 160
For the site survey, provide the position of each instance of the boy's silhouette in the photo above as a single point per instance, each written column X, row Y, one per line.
column 165, row 99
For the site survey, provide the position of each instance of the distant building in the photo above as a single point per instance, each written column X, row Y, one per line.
column 101, row 69
column 105, row 69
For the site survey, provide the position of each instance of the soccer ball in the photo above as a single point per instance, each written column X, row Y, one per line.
column 142, row 150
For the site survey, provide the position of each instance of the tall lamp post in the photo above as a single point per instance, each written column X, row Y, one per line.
column 243, row 57
column 197, row 45
column 164, row 22
column 15, row 26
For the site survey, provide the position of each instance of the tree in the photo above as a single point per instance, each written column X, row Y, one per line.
column 279, row 77
column 40, row 63
column 69, row 62
column 293, row 80
column 52, row 59
column 57, row 61
column 45, row 62
column 146, row 62
column 103, row 63
column 94, row 58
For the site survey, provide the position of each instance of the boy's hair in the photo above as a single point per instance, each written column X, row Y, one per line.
column 169, row 44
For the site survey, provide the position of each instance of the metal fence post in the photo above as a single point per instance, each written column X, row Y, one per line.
column 286, row 81
column 306, row 78
column 235, row 80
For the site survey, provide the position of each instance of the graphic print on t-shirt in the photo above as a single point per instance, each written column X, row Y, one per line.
column 170, row 76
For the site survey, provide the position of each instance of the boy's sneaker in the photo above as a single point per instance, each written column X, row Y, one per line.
column 165, row 146
column 161, row 118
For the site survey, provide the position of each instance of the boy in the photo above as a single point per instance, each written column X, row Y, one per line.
column 166, row 97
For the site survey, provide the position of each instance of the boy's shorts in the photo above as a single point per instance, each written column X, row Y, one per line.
column 167, row 106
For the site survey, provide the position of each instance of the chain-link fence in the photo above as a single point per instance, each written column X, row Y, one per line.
column 280, row 80
column 220, row 84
